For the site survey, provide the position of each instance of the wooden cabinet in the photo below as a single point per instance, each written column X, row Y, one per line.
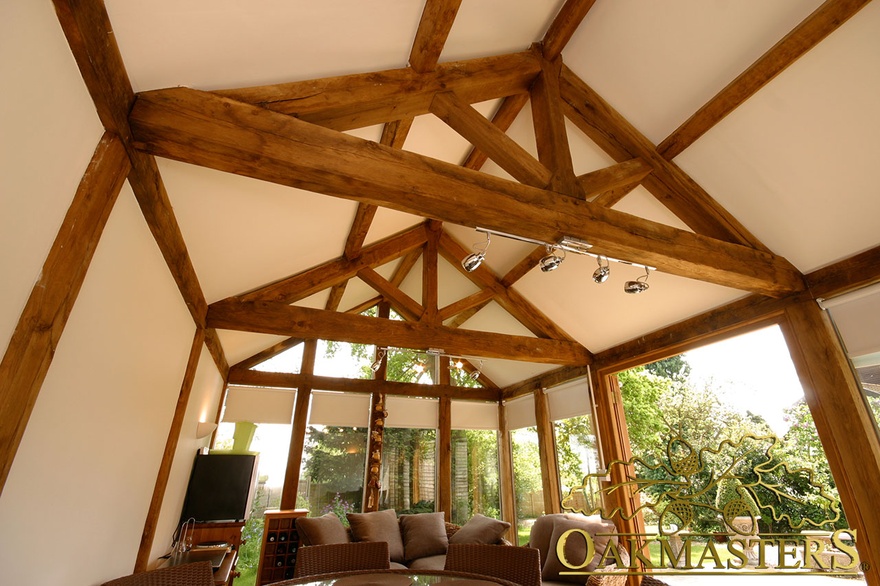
column 207, row 533
column 280, row 542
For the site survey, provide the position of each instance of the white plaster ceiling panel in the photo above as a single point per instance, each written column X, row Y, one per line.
column 212, row 44
column 387, row 222
column 601, row 316
column 452, row 284
column 412, row 284
column 657, row 62
column 241, row 345
column 796, row 164
column 356, row 292
column 49, row 133
column 508, row 372
column 639, row 202
column 316, row 301
column 494, row 318
column 242, row 233
column 493, row 27
column 432, row 137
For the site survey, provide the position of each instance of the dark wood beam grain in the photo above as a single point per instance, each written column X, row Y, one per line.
column 821, row 23
column 32, row 346
column 283, row 380
column 434, row 27
column 564, row 26
column 403, row 304
column 204, row 129
column 264, row 355
column 504, row 116
column 620, row 175
column 356, row 101
column 280, row 319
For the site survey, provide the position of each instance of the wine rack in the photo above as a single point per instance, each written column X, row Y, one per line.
column 280, row 542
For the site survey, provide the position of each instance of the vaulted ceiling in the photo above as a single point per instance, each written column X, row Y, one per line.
column 321, row 156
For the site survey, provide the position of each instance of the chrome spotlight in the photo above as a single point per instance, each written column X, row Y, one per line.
column 472, row 261
column 475, row 259
column 601, row 274
column 640, row 285
column 551, row 262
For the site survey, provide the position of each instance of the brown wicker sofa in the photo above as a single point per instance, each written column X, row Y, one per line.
column 417, row 541
column 545, row 534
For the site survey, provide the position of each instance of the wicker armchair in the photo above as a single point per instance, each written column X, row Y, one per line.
column 194, row 574
column 516, row 564
column 341, row 557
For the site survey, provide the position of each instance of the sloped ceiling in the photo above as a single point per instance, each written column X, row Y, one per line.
column 793, row 164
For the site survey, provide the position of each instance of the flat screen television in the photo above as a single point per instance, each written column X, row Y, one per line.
column 221, row 487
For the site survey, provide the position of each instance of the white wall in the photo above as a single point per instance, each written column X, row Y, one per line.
column 76, row 499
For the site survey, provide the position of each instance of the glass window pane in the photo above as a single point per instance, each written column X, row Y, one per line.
column 474, row 474
column 576, row 451
column 332, row 476
column 526, row 480
column 408, row 475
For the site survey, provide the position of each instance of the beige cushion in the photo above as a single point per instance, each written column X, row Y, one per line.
column 321, row 530
column 424, row 535
column 575, row 546
column 378, row 526
column 480, row 529
column 432, row 562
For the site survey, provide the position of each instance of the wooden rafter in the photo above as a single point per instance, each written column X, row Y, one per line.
column 430, row 276
column 402, row 303
column 280, row 319
column 264, row 355
column 625, row 174
column 564, row 26
column 311, row 281
column 667, row 182
column 546, row 380
column 208, row 130
column 284, row 380
column 514, row 303
column 356, row 101
column 32, row 346
column 504, row 116
column 434, row 27
column 821, row 23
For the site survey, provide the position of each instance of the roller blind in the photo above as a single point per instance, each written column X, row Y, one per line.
column 474, row 415
column 857, row 317
column 569, row 400
column 411, row 412
column 340, row 409
column 259, row 405
column 520, row 412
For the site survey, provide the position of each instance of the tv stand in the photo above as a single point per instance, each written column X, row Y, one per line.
column 225, row 532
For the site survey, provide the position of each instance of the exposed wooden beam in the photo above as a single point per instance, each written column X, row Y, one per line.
column 547, row 454
column 402, row 303
column 852, row 273
column 334, row 297
column 504, row 116
column 32, row 346
column 356, row 101
column 283, row 380
column 270, row 352
column 298, row 429
column 434, row 27
column 608, row 198
column 174, row 433
column 487, row 137
column 564, row 26
column 551, row 138
column 394, row 133
column 308, row 282
column 620, row 175
column 821, row 23
column 430, row 275
column 467, row 314
column 546, row 380
column 93, row 44
column 477, row 299
column 281, row 319
column 523, row 267
column 204, row 129
column 668, row 183
column 215, row 348
column 406, row 265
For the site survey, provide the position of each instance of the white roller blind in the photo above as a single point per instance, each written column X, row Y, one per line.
column 259, row 405
column 520, row 412
column 340, row 409
column 410, row 412
column 569, row 400
column 857, row 317
column 474, row 415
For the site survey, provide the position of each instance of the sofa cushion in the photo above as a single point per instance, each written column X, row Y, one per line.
column 423, row 534
column 432, row 562
column 480, row 529
column 378, row 526
column 321, row 530
column 576, row 546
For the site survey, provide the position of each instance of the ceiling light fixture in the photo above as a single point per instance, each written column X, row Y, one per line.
column 474, row 375
column 377, row 364
column 552, row 261
column 475, row 259
column 601, row 274
column 640, row 285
